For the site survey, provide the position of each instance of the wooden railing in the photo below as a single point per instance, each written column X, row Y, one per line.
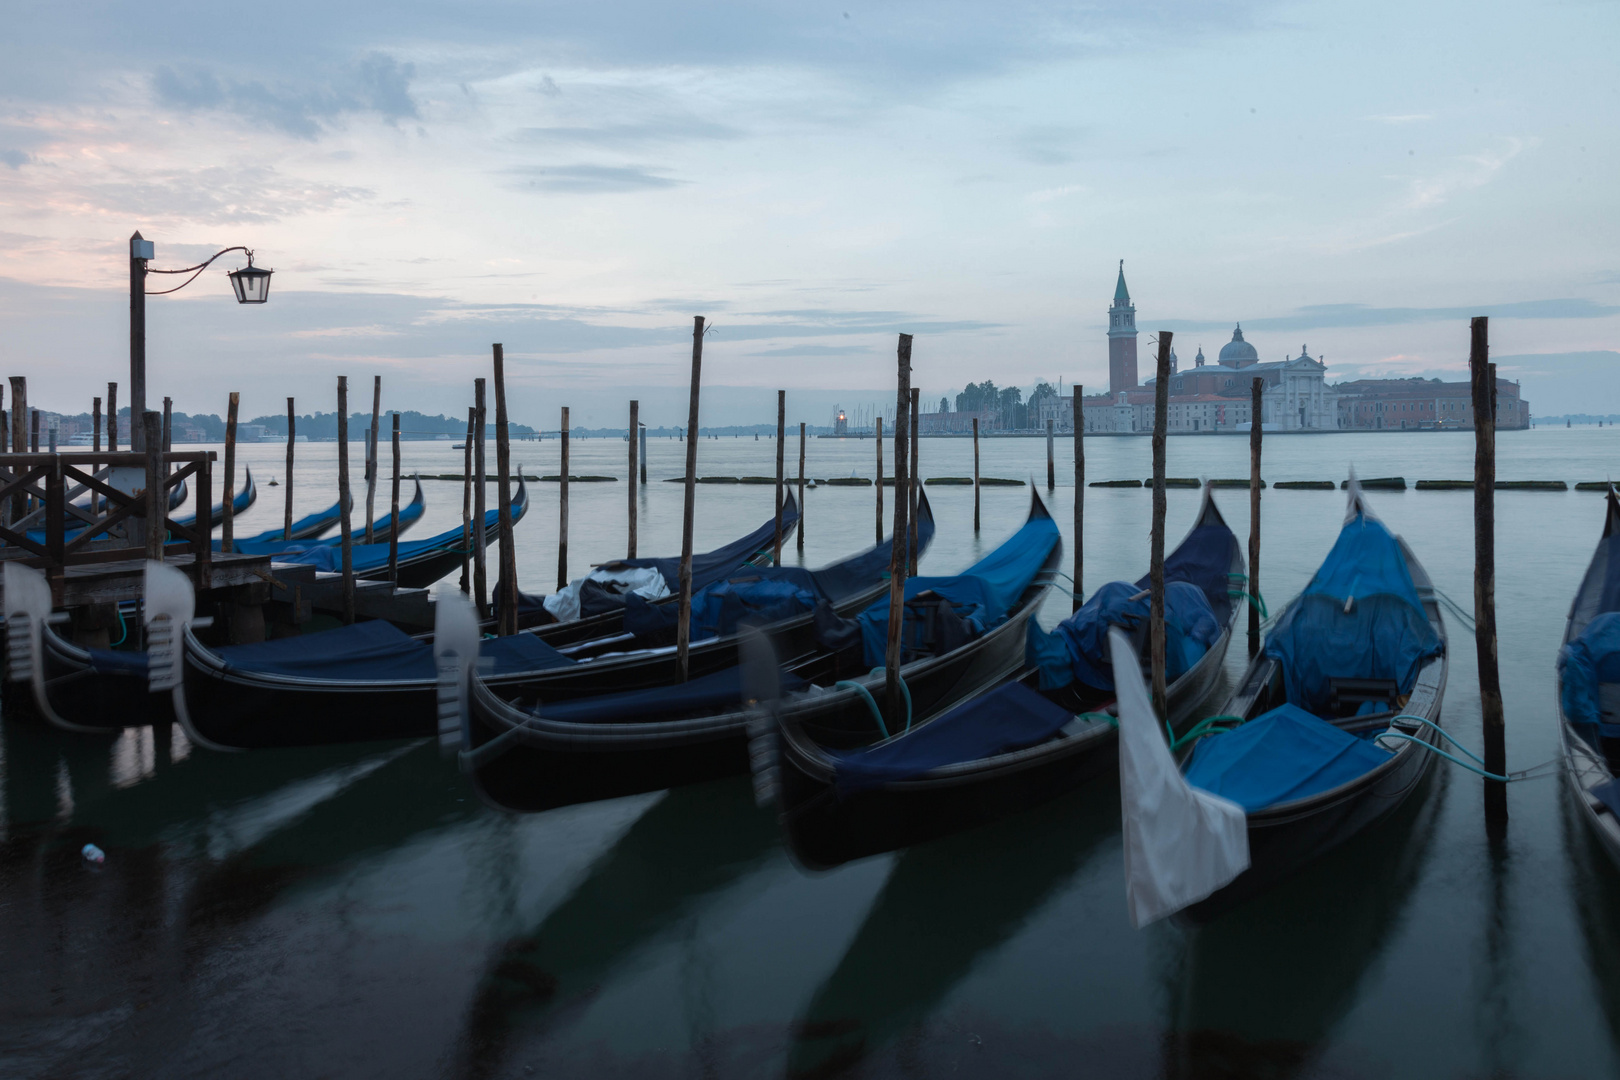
column 54, row 533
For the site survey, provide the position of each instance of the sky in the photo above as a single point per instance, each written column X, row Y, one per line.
column 577, row 181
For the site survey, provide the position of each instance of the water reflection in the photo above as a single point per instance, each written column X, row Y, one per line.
column 1259, row 991
column 945, row 906
column 1596, row 884
column 687, row 847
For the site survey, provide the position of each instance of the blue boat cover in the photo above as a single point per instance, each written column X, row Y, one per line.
column 1584, row 664
column 367, row 557
column 378, row 651
column 118, row 662
column 856, row 574
column 754, row 595
column 1280, row 756
column 706, row 695
column 239, row 503
column 271, row 542
column 1204, row 558
column 1077, row 650
column 1384, row 635
column 1010, row 717
column 980, row 597
column 317, row 523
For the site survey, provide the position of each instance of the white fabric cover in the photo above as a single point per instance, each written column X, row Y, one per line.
column 1181, row 844
column 648, row 583
column 455, row 652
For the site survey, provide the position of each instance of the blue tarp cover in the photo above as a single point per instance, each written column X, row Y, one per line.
column 706, row 695
column 1010, row 717
column 1077, row 650
column 1280, row 756
column 1204, row 559
column 118, row 662
column 271, row 543
column 324, row 518
column 1385, row 635
column 1591, row 659
column 753, row 595
column 329, row 557
column 982, row 595
column 377, row 651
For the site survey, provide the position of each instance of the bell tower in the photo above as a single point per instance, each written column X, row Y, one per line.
column 1121, row 338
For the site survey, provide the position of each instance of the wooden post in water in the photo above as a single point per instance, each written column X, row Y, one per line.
column 641, row 437
column 112, row 415
column 227, row 531
column 781, row 448
column 156, row 503
column 562, row 509
column 877, row 428
column 95, row 446
column 372, row 458
column 393, row 532
column 466, row 502
column 168, row 427
column 480, row 567
column 635, row 426
column 287, row 497
column 913, row 486
column 1051, row 458
column 683, row 622
column 893, row 698
column 503, row 465
column 975, row 474
column 345, row 514
column 1161, row 410
column 1256, row 388
column 801, row 487
column 1482, row 375
column 1079, row 497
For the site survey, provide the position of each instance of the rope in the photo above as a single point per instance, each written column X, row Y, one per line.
column 877, row 714
column 123, row 630
column 1456, row 609
column 1535, row 772
column 1199, row 729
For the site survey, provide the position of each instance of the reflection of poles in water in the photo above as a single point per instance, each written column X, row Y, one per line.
column 690, row 845
column 1596, row 884
column 946, row 905
column 1258, row 991
column 28, row 774
column 1498, row 1032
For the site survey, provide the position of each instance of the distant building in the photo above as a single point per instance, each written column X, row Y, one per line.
column 1423, row 405
column 841, row 423
column 1121, row 338
column 944, row 423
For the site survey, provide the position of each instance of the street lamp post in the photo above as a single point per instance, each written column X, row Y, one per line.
column 251, row 285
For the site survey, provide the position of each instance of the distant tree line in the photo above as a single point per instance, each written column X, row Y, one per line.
column 1007, row 402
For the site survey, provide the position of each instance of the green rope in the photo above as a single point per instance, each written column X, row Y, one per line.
column 1200, row 729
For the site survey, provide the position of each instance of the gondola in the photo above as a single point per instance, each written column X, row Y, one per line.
column 1360, row 652
column 273, row 541
column 305, row 528
column 373, row 681
column 239, row 504
column 530, row 756
column 1588, row 669
column 1038, row 735
column 76, row 524
column 707, row 568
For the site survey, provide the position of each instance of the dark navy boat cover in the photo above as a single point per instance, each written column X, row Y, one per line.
column 1584, row 665
column 377, row 651
column 1204, row 558
column 1010, row 717
column 752, row 596
column 328, row 555
column 271, row 542
column 1280, row 756
column 308, row 527
column 1077, row 650
column 979, row 598
column 118, row 662
column 1385, row 634
column 707, row 695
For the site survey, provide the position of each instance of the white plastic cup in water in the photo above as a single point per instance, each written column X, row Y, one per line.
column 93, row 854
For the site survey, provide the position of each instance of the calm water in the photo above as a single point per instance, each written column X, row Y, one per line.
column 356, row 912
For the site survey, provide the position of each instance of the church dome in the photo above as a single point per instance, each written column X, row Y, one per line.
column 1237, row 352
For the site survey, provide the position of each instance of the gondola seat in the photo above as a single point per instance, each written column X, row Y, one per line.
column 1280, row 756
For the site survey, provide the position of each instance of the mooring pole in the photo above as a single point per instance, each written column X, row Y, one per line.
column 112, row 413
column 898, row 559
column 1256, row 389
column 372, row 458
column 877, row 428
column 635, row 426
column 466, row 502
column 562, row 508
column 913, row 487
column 346, row 517
column 801, row 487
column 156, row 503
column 168, row 428
column 287, row 497
column 683, row 623
column 137, row 339
column 641, row 437
column 33, row 428
column 975, row 474
column 507, row 624
column 1051, row 458
column 393, row 532
column 480, row 566
column 781, row 447
column 1161, row 410
column 1079, row 498
column 95, row 446
column 1482, row 374
column 227, row 531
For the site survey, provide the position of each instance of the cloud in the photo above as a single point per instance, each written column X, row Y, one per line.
column 626, row 135
column 816, row 350
column 216, row 196
column 590, row 179
column 1347, row 315
column 16, row 159
column 1466, row 173
column 376, row 82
